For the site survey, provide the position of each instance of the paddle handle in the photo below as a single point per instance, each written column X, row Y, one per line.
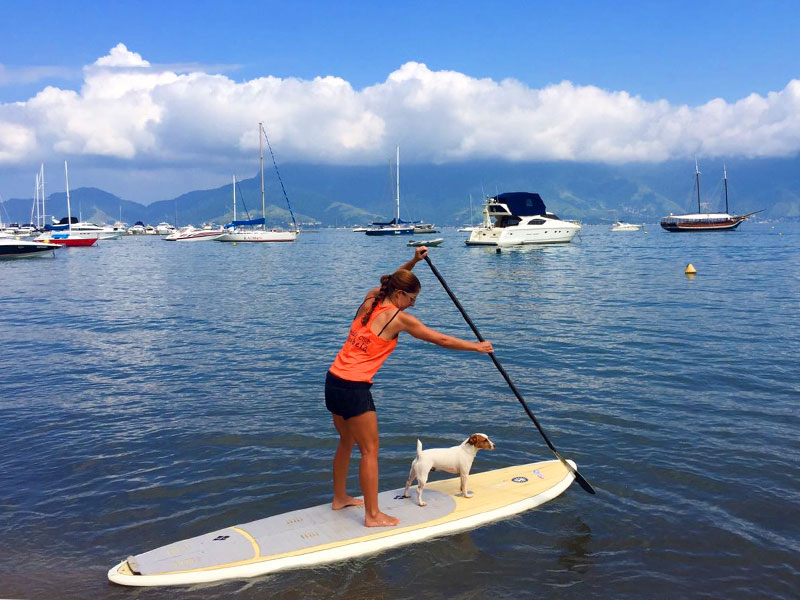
column 579, row 478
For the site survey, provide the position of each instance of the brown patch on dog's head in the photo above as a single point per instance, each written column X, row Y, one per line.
column 481, row 441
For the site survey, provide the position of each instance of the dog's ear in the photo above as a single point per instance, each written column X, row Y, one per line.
column 473, row 439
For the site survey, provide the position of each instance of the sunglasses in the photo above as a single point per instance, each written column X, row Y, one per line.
column 412, row 299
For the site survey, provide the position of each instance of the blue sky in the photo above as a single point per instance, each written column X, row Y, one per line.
column 684, row 52
column 580, row 65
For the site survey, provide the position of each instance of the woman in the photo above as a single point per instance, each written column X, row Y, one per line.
column 373, row 336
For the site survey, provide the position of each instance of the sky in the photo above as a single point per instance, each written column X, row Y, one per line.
column 151, row 99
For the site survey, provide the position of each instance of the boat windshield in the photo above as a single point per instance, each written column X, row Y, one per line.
column 506, row 221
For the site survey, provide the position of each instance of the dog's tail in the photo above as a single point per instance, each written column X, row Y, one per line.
column 419, row 449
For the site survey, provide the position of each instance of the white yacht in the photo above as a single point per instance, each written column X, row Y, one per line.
column 164, row 228
column 136, row 229
column 192, row 234
column 102, row 232
column 621, row 226
column 520, row 218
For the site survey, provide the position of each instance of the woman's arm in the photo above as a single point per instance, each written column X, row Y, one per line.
column 419, row 330
column 419, row 254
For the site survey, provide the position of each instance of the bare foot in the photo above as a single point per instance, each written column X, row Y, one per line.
column 380, row 520
column 345, row 502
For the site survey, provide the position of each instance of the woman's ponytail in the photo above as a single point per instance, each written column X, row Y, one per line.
column 402, row 279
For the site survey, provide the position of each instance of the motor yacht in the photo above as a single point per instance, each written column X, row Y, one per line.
column 192, row 234
column 516, row 218
column 136, row 229
column 164, row 228
column 16, row 248
column 621, row 226
column 85, row 229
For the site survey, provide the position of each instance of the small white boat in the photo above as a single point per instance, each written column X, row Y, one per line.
column 425, row 229
column 136, row 229
column 520, row 218
column 621, row 226
column 430, row 243
column 192, row 234
column 164, row 228
column 258, row 235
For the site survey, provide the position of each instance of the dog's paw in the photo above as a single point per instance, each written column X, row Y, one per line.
column 467, row 494
column 423, row 503
column 406, row 495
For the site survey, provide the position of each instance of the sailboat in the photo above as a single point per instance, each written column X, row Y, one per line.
column 396, row 226
column 63, row 234
column 255, row 230
column 701, row 221
column 469, row 227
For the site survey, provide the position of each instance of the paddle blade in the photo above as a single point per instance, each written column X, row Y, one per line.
column 583, row 483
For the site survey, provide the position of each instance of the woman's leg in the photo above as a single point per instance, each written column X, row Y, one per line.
column 364, row 430
column 341, row 465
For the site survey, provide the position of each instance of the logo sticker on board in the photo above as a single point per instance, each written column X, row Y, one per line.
column 519, row 479
column 538, row 473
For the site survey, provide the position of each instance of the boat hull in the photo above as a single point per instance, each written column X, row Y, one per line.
column 390, row 231
column 11, row 248
column 626, row 227
column 552, row 233
column 67, row 240
column 258, row 236
column 678, row 226
column 197, row 236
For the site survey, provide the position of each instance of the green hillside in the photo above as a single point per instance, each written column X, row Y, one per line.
column 340, row 195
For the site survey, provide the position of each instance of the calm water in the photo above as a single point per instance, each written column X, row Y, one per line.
column 151, row 392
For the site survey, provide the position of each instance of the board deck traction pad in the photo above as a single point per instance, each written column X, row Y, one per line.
column 301, row 533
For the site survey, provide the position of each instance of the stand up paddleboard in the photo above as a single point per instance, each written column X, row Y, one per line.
column 317, row 535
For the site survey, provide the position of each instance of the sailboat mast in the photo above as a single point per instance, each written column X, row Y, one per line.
column 36, row 201
column 69, row 212
column 397, row 204
column 261, row 152
column 697, row 183
column 41, row 183
column 725, row 179
column 234, row 197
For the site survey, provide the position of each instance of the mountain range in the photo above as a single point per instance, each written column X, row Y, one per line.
column 350, row 195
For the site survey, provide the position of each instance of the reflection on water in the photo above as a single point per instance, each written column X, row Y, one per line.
column 151, row 392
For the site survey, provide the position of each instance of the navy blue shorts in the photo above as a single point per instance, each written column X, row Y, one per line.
column 347, row 398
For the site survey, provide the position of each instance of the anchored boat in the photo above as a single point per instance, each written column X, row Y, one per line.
column 701, row 221
column 396, row 226
column 64, row 234
column 520, row 218
column 255, row 230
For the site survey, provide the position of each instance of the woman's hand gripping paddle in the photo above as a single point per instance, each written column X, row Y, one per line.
column 578, row 477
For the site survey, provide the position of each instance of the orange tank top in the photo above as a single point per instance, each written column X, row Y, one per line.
column 364, row 352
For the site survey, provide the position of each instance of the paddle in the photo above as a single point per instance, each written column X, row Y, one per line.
column 578, row 477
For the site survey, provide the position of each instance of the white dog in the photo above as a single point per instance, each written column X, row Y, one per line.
column 457, row 459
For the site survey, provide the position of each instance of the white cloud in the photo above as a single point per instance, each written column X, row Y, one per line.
column 131, row 111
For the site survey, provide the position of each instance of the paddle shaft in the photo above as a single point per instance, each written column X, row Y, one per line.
column 579, row 478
